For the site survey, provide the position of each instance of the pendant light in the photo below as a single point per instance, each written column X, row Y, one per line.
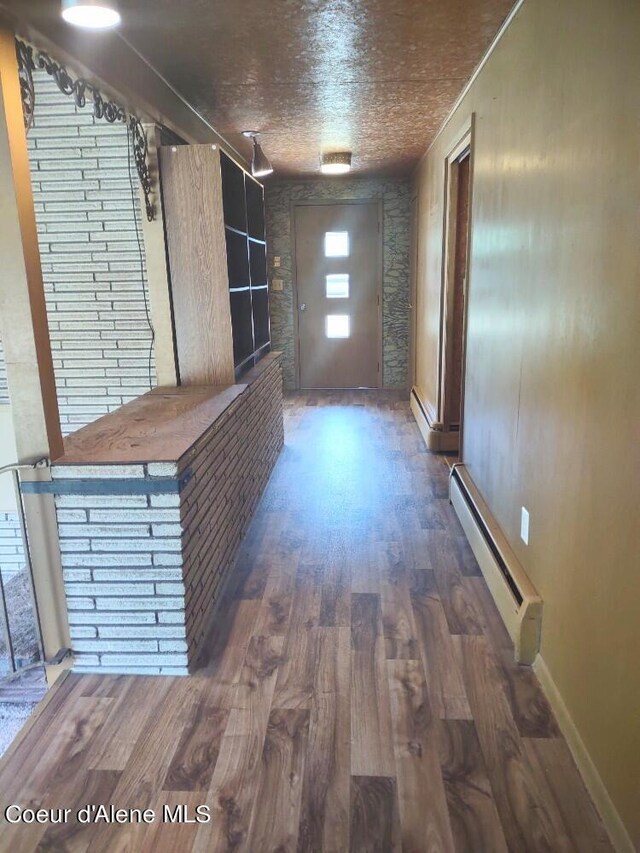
column 335, row 163
column 260, row 165
column 91, row 14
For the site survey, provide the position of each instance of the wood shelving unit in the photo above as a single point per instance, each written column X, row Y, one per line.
column 214, row 222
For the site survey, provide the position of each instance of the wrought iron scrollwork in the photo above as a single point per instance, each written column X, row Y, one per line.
column 140, row 148
column 26, row 67
column 81, row 90
column 107, row 110
column 64, row 81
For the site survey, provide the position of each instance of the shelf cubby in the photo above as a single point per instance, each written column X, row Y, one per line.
column 260, row 309
column 242, row 325
column 258, row 264
column 233, row 194
column 237, row 259
column 254, row 194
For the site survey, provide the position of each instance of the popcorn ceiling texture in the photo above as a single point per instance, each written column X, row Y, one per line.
column 396, row 198
column 383, row 75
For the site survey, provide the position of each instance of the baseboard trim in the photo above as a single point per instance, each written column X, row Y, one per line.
column 436, row 440
column 618, row 834
column 516, row 598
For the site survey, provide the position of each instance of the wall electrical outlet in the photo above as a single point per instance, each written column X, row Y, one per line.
column 524, row 525
column 276, row 260
column 277, row 285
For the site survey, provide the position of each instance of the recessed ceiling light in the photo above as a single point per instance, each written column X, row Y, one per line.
column 91, row 14
column 335, row 163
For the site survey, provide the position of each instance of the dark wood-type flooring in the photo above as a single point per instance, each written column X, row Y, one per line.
column 360, row 692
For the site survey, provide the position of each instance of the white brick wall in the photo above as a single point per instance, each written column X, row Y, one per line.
column 100, row 337
column 11, row 548
column 91, row 263
column 123, row 578
column 4, row 391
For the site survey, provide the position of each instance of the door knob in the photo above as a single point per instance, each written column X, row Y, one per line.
column 303, row 306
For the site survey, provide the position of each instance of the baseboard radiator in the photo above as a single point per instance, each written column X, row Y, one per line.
column 519, row 604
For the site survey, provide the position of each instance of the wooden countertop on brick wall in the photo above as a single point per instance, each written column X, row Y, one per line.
column 160, row 426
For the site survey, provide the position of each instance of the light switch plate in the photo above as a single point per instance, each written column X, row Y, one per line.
column 524, row 525
column 277, row 285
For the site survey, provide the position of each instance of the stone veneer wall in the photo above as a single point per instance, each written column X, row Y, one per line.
column 146, row 548
column 396, row 198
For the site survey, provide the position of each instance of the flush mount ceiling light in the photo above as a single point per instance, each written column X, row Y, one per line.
column 335, row 163
column 91, row 14
column 260, row 165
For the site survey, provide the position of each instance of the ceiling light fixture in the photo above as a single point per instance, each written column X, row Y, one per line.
column 91, row 14
column 260, row 165
column 335, row 163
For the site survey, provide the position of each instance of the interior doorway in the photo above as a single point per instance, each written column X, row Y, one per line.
column 455, row 289
column 338, row 248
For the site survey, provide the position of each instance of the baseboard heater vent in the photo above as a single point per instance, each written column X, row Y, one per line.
column 519, row 604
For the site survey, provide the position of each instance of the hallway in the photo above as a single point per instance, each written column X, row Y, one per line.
column 359, row 695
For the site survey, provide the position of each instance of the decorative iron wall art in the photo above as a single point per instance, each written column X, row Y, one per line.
column 24, row 52
column 81, row 91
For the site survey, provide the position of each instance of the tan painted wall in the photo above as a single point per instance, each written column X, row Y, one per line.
column 552, row 407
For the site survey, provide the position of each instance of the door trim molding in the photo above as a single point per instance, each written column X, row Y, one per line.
column 294, row 273
column 431, row 431
column 465, row 141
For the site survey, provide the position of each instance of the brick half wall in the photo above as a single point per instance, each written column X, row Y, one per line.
column 229, row 469
column 147, row 549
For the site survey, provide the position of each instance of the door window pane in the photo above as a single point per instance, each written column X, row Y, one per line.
column 338, row 286
column 336, row 244
column 337, row 325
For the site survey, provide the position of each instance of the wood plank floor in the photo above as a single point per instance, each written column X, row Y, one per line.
column 359, row 694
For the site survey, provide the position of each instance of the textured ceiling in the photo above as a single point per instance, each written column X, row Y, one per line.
column 376, row 77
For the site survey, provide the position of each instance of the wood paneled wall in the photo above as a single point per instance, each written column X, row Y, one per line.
column 552, row 402
column 194, row 224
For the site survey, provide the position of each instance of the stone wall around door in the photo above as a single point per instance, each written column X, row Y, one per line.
column 395, row 194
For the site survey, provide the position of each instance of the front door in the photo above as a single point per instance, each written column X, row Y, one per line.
column 338, row 281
